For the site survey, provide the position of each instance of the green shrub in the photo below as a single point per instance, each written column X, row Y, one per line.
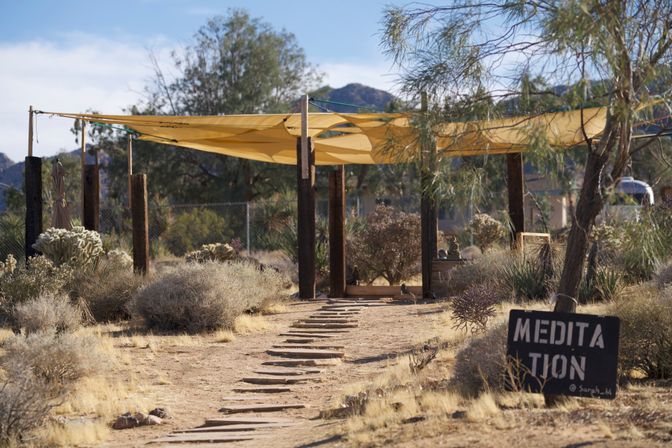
column 197, row 297
column 285, row 239
column 646, row 332
column 77, row 247
column 192, row 229
column 486, row 230
column 527, row 279
column 603, row 286
column 12, row 235
column 48, row 313
column 483, row 269
column 387, row 246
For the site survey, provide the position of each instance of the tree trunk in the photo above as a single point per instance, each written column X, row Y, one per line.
column 589, row 206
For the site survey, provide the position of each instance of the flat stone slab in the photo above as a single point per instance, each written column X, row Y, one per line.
column 262, row 390
column 244, row 420
column 245, row 398
column 305, row 353
column 208, row 438
column 241, row 408
column 311, row 347
column 325, row 320
column 287, row 372
column 309, row 336
column 299, row 340
column 236, row 427
column 302, row 362
column 276, row 379
column 318, row 331
column 316, row 325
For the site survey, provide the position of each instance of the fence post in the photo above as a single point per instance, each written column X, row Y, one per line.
column 33, row 181
column 91, row 218
column 139, row 213
column 337, row 232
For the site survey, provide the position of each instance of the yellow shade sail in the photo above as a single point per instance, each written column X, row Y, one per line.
column 339, row 138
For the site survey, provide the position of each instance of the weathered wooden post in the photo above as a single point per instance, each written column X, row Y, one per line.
column 305, row 164
column 82, row 170
column 514, row 183
column 337, row 232
column 91, row 217
column 33, row 190
column 129, row 162
column 140, row 219
column 428, row 214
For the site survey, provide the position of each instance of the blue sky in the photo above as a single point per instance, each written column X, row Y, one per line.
column 75, row 55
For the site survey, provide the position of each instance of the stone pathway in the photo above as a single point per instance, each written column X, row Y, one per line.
column 300, row 359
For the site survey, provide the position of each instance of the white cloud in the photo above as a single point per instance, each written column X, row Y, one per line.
column 83, row 73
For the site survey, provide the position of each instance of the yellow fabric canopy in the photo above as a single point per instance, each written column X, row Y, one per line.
column 341, row 138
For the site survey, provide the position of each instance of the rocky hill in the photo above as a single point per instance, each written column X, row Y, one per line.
column 356, row 94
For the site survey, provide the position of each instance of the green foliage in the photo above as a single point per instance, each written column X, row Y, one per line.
column 527, row 279
column 285, row 238
column 388, row 245
column 486, row 230
column 646, row 332
column 78, row 247
column 605, row 285
column 12, row 235
column 192, row 229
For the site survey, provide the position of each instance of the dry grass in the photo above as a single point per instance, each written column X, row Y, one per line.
column 251, row 323
column 73, row 433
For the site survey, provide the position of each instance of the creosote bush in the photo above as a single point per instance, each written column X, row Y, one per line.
column 483, row 269
column 646, row 332
column 198, row 297
column 48, row 312
column 387, row 245
column 474, row 307
column 107, row 293
column 486, row 230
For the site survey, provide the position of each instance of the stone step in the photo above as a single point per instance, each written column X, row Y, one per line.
column 244, row 420
column 318, row 331
column 323, row 320
column 236, row 427
column 311, row 347
column 215, row 437
column 262, row 390
column 308, row 336
column 299, row 340
column 277, row 379
column 245, row 398
column 324, row 326
column 288, row 372
column 305, row 353
column 303, row 362
column 241, row 408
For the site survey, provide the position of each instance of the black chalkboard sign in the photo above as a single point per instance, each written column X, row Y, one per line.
column 562, row 353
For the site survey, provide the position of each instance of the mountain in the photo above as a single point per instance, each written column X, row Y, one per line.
column 355, row 94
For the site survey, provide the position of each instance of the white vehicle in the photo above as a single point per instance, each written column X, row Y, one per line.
column 630, row 196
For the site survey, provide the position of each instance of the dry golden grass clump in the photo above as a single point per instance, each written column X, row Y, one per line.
column 108, row 293
column 485, row 268
column 199, row 297
column 48, row 312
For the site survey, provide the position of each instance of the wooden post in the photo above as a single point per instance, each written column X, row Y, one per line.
column 337, row 232
column 82, row 164
column 140, row 215
column 129, row 161
column 33, row 181
column 514, row 182
column 91, row 217
column 428, row 213
column 305, row 164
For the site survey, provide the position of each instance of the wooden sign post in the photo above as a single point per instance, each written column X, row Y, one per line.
column 305, row 158
column 563, row 353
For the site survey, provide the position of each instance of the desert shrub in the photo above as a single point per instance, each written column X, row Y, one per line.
column 527, row 278
column 486, row 230
column 212, row 252
column 603, row 285
column 25, row 403
column 192, row 229
column 474, row 307
column 646, row 333
column 40, row 277
column 48, row 312
column 12, row 235
column 285, row 238
column 107, row 293
column 119, row 259
column 388, row 245
column 485, row 268
column 643, row 250
column 59, row 359
column 8, row 266
column 481, row 364
column 77, row 247
column 198, row 297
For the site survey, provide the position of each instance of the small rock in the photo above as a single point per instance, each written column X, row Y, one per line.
column 126, row 421
column 160, row 412
column 152, row 420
